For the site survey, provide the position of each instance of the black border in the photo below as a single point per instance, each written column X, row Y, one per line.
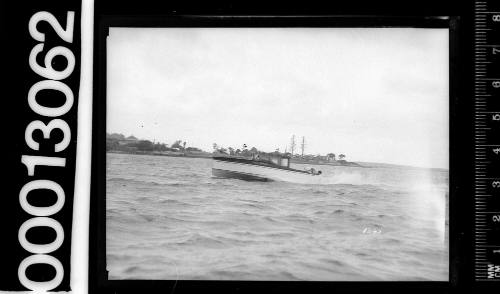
column 18, row 78
column 459, row 115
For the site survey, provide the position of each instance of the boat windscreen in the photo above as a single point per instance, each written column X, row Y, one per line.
column 285, row 162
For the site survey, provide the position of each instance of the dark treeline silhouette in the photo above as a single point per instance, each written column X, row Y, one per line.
column 310, row 158
column 119, row 142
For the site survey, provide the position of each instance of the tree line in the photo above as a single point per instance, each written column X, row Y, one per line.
column 120, row 142
column 244, row 151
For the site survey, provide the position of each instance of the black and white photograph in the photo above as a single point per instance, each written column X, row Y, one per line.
column 277, row 153
column 238, row 147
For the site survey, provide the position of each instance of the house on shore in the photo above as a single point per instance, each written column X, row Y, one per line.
column 128, row 140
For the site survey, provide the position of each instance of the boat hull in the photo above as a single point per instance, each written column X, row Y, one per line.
column 251, row 172
column 220, row 173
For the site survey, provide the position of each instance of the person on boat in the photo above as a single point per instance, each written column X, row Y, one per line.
column 314, row 172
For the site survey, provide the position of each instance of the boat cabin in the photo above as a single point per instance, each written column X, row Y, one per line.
column 275, row 158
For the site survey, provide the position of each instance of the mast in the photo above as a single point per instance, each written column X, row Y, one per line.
column 292, row 144
column 303, row 145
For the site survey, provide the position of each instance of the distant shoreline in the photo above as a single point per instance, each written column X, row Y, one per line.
column 207, row 155
column 334, row 163
column 164, row 153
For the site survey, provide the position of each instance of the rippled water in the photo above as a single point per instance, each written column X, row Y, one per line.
column 167, row 218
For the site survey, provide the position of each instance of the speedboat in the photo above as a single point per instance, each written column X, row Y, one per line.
column 262, row 167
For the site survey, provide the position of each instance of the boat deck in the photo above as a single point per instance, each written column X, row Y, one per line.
column 258, row 163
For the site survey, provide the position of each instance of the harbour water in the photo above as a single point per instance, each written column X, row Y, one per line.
column 167, row 218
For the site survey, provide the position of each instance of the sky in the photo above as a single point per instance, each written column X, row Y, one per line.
column 373, row 94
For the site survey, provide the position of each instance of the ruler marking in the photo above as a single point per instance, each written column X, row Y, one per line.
column 484, row 84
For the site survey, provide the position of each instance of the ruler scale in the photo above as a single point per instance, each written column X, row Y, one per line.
column 487, row 140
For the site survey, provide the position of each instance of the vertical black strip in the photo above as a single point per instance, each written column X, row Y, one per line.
column 17, row 79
